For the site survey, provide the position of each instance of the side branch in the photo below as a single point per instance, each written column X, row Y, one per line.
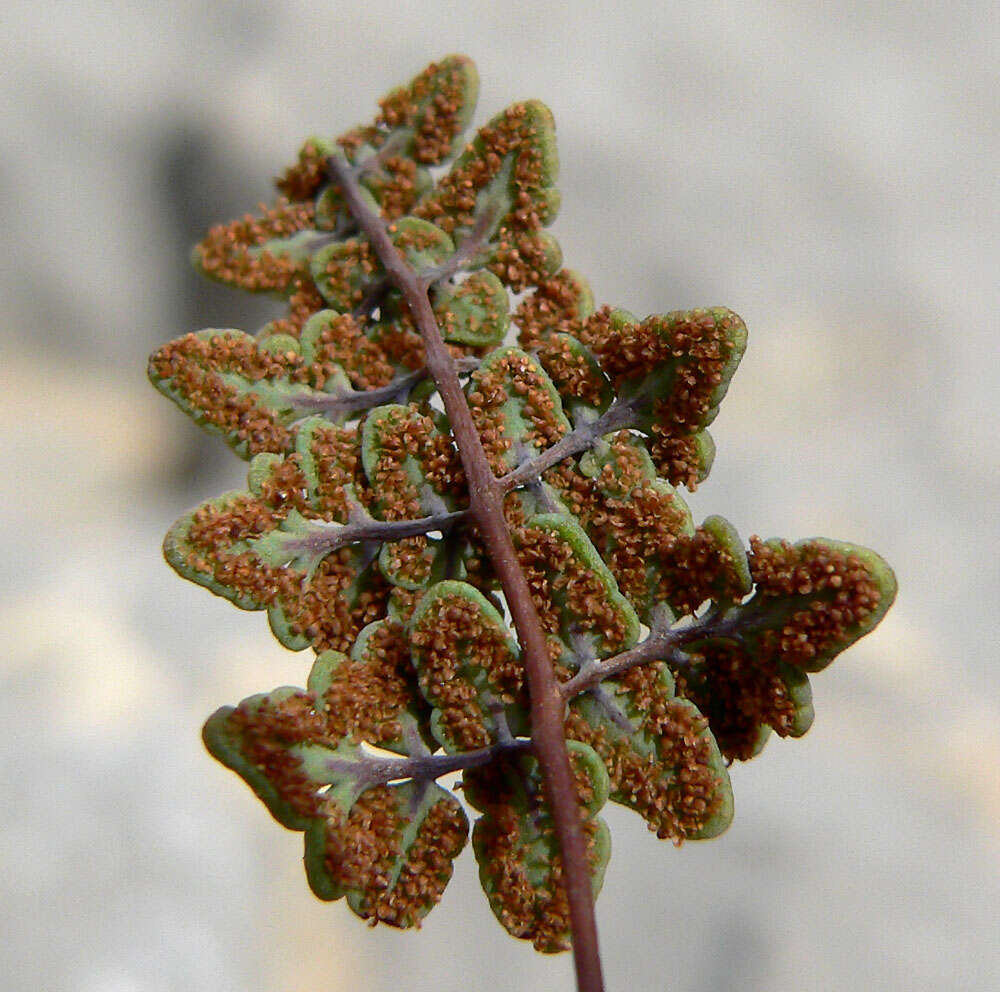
column 369, row 770
column 583, row 437
column 318, row 538
column 663, row 644
column 471, row 245
column 486, row 506
column 348, row 401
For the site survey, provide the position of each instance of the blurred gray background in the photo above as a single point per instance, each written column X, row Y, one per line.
column 828, row 170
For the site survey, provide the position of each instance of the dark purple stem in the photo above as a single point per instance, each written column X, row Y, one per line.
column 486, row 506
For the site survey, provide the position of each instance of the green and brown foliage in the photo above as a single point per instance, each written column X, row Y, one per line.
column 675, row 649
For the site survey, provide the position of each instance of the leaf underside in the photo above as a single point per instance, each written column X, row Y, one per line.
column 353, row 532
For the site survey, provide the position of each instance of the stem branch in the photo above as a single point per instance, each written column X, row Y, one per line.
column 581, row 438
column 661, row 645
column 348, row 401
column 369, row 770
column 325, row 538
